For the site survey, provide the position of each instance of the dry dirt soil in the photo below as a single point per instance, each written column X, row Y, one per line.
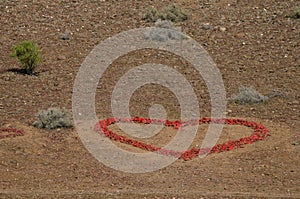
column 252, row 42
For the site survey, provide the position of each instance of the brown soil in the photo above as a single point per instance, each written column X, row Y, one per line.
column 259, row 47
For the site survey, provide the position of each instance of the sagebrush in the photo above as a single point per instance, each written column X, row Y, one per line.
column 248, row 95
column 53, row 118
column 151, row 15
column 295, row 14
column 172, row 13
column 165, row 31
column 28, row 55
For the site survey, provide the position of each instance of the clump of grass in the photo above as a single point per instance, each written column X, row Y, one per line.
column 53, row 118
column 295, row 14
column 151, row 15
column 164, row 31
column 248, row 95
column 172, row 13
column 165, row 24
column 28, row 55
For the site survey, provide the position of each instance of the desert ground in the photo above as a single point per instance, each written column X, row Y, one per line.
column 253, row 43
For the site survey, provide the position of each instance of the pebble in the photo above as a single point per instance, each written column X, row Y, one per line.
column 7, row 125
column 66, row 36
column 207, row 26
column 6, row 78
column 222, row 29
column 294, row 143
column 61, row 57
column 240, row 35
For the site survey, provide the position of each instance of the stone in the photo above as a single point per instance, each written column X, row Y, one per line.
column 207, row 26
column 222, row 29
column 61, row 57
column 66, row 36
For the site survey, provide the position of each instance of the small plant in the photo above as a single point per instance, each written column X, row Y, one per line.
column 172, row 13
column 165, row 31
column 53, row 118
column 295, row 14
column 28, row 55
column 248, row 95
column 151, row 15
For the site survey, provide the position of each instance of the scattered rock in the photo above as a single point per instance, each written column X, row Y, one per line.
column 61, row 57
column 66, row 36
column 6, row 79
column 240, row 35
column 222, row 29
column 207, row 26
column 8, row 125
column 294, row 143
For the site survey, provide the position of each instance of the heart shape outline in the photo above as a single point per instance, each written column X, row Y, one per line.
column 260, row 133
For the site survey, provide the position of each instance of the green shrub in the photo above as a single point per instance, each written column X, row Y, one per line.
column 28, row 55
column 165, row 31
column 172, row 13
column 248, row 95
column 151, row 15
column 53, row 118
column 295, row 14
